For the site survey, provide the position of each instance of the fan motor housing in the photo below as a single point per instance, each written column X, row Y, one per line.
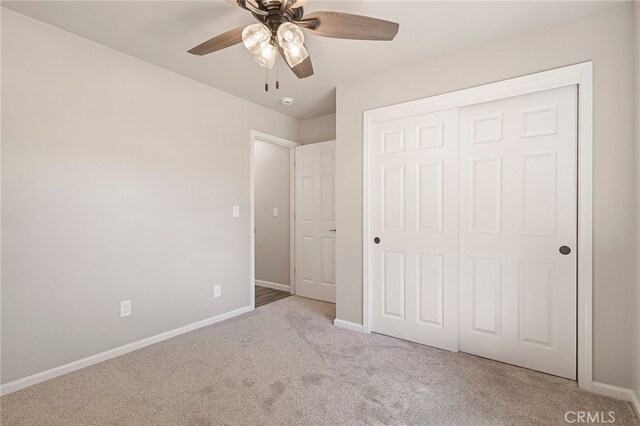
column 273, row 21
column 275, row 17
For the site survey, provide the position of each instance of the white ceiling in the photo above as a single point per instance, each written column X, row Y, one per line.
column 161, row 32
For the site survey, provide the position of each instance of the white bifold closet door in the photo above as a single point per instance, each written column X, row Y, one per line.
column 518, row 292
column 414, row 220
column 474, row 208
column 315, row 221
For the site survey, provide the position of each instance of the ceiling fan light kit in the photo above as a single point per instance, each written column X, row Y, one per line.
column 295, row 56
column 255, row 36
column 279, row 30
column 291, row 40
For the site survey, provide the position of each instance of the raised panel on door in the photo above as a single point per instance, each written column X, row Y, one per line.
column 431, row 135
column 486, row 295
column 328, row 192
column 393, row 284
column 539, row 193
column 315, row 221
column 486, row 194
column 329, row 260
column 430, row 188
column 393, row 141
column 519, row 196
column 414, row 191
column 486, row 128
column 393, row 202
column 309, row 263
column 431, row 289
column 535, row 292
column 308, row 211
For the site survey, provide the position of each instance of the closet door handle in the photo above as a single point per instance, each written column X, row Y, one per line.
column 565, row 250
column 332, row 230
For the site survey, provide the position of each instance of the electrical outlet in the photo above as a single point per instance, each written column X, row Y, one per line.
column 217, row 291
column 125, row 308
column 236, row 211
column 275, row 212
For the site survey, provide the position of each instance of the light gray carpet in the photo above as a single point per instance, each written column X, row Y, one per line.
column 285, row 363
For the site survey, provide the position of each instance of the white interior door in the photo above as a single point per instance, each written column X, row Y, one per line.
column 315, row 219
column 414, row 221
column 518, row 207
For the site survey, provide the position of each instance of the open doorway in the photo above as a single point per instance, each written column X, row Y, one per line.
column 273, row 217
column 293, row 219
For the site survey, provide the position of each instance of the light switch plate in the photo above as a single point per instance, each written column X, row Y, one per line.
column 217, row 290
column 275, row 212
column 236, row 211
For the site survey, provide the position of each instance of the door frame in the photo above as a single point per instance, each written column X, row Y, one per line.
column 578, row 74
column 256, row 136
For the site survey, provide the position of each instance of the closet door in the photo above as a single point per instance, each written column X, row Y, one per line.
column 414, row 228
column 518, row 282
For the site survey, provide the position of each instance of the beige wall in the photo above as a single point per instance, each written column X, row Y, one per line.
column 636, row 354
column 319, row 129
column 272, row 188
column 118, row 181
column 607, row 39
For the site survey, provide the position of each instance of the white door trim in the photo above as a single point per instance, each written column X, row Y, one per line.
column 580, row 75
column 264, row 137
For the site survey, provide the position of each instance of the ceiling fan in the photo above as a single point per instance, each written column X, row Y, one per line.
column 279, row 30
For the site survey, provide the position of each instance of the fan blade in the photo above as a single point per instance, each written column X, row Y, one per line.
column 355, row 27
column 222, row 41
column 298, row 3
column 303, row 70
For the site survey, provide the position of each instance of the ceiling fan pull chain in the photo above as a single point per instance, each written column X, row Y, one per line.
column 277, row 76
column 266, row 84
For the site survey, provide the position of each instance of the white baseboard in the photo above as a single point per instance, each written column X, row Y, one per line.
column 617, row 392
column 636, row 403
column 112, row 353
column 274, row 286
column 348, row 325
